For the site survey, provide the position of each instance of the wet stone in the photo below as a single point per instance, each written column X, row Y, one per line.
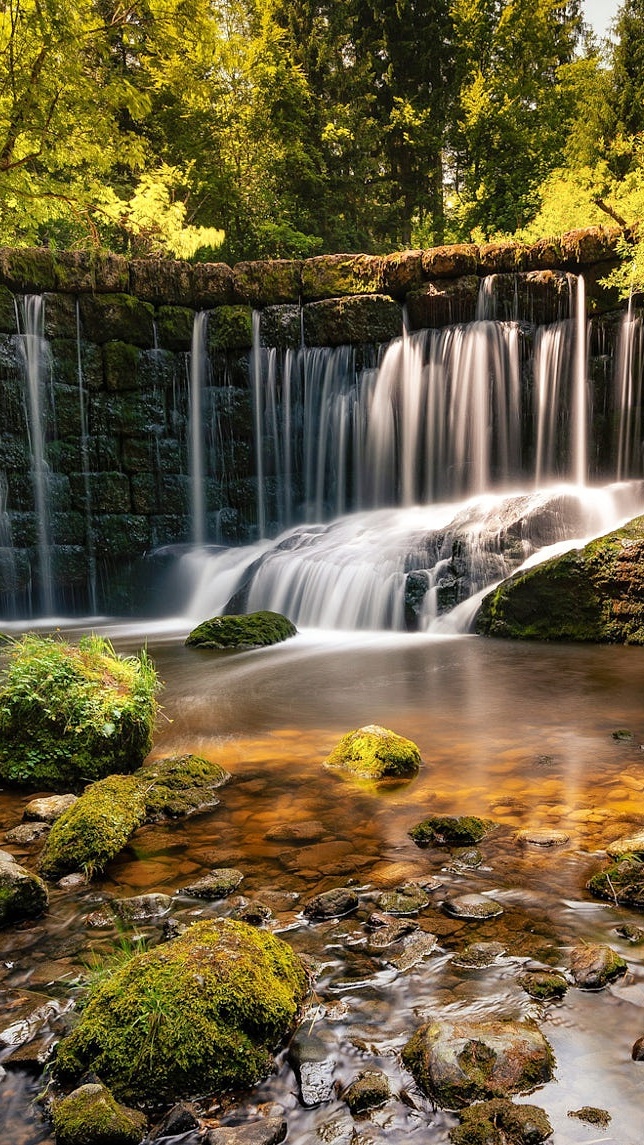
column 408, row 899
column 627, row 845
column 479, row 955
column 254, row 913
column 26, row 833
column 369, row 1090
column 48, row 808
column 313, row 1067
column 592, row 1115
column 331, row 904
column 415, row 947
column 220, row 883
column 309, row 831
column 142, row 908
column 634, row 934
column 542, row 837
column 472, row 906
column 182, row 1118
column 543, row 984
column 337, row 1131
column 500, row 1122
column 270, row 1131
column 450, row 831
column 595, row 965
column 69, row 882
column 388, row 930
column 468, row 857
column 33, row 1055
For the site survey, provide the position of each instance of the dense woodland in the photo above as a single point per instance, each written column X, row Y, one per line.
column 233, row 129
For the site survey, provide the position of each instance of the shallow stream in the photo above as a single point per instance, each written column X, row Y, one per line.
column 519, row 733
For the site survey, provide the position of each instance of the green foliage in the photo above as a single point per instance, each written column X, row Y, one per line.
column 72, row 713
column 256, row 630
column 199, row 1014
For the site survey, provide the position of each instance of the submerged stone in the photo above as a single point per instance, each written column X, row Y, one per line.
column 92, row 1116
column 199, row 1014
column 627, row 845
column 331, row 904
column 458, row 1062
column 369, row 1090
column 22, row 894
column 218, row 884
column 255, row 630
column 595, row 965
column 374, row 752
column 542, row 837
column 472, row 906
column 501, row 1122
column 450, row 830
column 314, row 1068
column 408, row 899
column 477, row 955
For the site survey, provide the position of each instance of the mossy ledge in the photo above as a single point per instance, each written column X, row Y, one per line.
column 594, row 594
column 255, row 630
column 200, row 1014
column 374, row 752
column 71, row 713
column 98, row 825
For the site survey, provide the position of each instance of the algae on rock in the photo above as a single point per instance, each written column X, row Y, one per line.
column 374, row 752
column 73, row 713
column 202, row 1013
column 254, row 630
column 92, row 1116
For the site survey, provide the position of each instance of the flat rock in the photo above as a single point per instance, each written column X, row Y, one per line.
column 218, row 884
column 595, row 965
column 314, row 1068
column 627, row 845
column 271, row 1131
column 308, row 831
column 472, row 906
column 478, row 955
column 387, row 929
column 542, row 837
column 406, row 900
column 331, row 904
column 26, row 833
column 592, row 1115
column 142, row 908
column 48, row 808
column 415, row 947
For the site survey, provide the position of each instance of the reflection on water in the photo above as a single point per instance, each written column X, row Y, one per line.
column 519, row 733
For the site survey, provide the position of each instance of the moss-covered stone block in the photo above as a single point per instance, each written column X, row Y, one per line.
column 536, row 296
column 120, row 366
column 594, row 594
column 92, row 1116
column 137, row 455
column 402, row 271
column 74, row 271
column 8, row 324
column 442, row 303
column 451, row 261
column 95, row 828
column 587, row 245
column 281, row 326
column 111, row 273
column 109, row 492
column 22, row 894
column 145, row 493
column 359, row 320
column 212, row 285
column 544, row 255
column 69, row 713
column 200, row 1014
column 450, row 830
column 174, row 327
column 60, row 316
column 64, row 362
column 27, row 269
column 117, row 318
column 121, row 535
column 501, row 258
column 161, row 280
column 131, row 414
column 374, row 752
column 268, row 282
column 255, row 630
column 230, row 328
column 335, row 275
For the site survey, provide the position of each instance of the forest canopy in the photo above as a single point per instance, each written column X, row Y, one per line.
column 233, row 129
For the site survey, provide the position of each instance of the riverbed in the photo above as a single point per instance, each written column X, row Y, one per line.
column 523, row 734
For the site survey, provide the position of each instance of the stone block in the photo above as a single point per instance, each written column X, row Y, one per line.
column 69, row 565
column 64, row 456
column 174, row 327
column 27, row 270
column 443, row 302
column 117, row 317
column 60, row 316
column 544, row 255
column 212, row 285
column 68, row 528
column 145, row 494
column 111, row 273
column 600, row 298
column 121, row 534
column 589, row 245
column 120, row 366
column 137, row 454
column 74, row 271
column 67, row 410
column 230, row 328
column 8, row 324
column 268, row 282
column 450, row 261
column 161, row 280
column 161, row 368
column 14, row 453
column 501, row 258
column 174, row 493
column 130, row 414
column 281, row 326
column 109, row 492
column 168, row 530
column 172, row 455
column 348, row 321
column 402, row 272
column 336, row 275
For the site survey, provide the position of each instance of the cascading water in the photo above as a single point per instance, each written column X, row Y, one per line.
column 629, row 371
column 198, row 368
column 86, row 473
column 34, row 351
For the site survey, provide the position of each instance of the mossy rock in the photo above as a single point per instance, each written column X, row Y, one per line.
column 623, row 882
column 500, row 1122
column 95, row 828
column 73, row 713
column 354, row 321
column 230, row 328
column 92, row 1116
column 450, row 830
column 543, row 984
column 22, row 894
column 200, row 1014
column 333, row 275
column 117, row 317
column 594, row 594
column 374, row 752
column 180, row 785
column 255, row 630
column 594, row 965
column 268, row 282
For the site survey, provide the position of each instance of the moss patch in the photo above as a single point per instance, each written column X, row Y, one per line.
column 592, row 594
column 256, row 630
column 450, row 830
column 374, row 752
column 201, row 1013
column 73, row 713
column 92, row 1116
column 623, row 882
column 22, row 894
column 499, row 1122
column 95, row 829
column 180, row 786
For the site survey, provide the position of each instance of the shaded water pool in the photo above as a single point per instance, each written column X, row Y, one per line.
column 522, row 734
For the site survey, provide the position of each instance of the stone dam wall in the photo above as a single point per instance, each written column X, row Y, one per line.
column 113, row 402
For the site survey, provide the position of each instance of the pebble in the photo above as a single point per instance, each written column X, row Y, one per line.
column 542, row 837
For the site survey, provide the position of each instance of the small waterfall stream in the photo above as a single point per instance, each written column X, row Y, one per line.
column 198, row 367
column 34, row 350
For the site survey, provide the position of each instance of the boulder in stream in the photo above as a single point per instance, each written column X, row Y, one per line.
column 622, row 882
column 91, row 1115
column 501, row 1122
column 594, row 965
column 450, row 830
column 458, row 1062
column 254, row 630
column 374, row 752
column 202, row 1013
column 22, row 894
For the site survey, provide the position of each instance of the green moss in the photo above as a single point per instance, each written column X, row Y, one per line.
column 175, row 324
column 179, row 785
column 73, row 713
column 92, row 1116
column 255, row 630
column 592, row 594
column 201, row 1013
column 499, row 1122
column 449, row 830
column 121, row 366
column 374, row 752
column 623, row 882
column 22, row 894
column 543, row 984
column 230, row 328
column 95, row 828
column 333, row 275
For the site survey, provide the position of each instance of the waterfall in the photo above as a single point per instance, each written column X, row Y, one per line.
column 553, row 352
column 85, row 466
column 258, row 413
column 579, row 457
column 8, row 577
column 629, row 371
column 198, row 369
column 34, row 352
